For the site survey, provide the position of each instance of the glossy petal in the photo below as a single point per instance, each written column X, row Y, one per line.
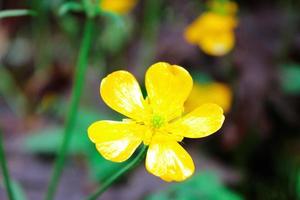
column 169, row 161
column 121, row 92
column 116, row 141
column 168, row 86
column 118, row 6
column 201, row 122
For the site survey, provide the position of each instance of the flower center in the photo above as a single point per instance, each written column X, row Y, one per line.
column 157, row 121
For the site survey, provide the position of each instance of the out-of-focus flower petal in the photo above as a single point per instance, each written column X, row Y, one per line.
column 118, row 6
column 121, row 92
column 116, row 141
column 217, row 44
column 203, row 121
column 169, row 161
column 168, row 86
column 218, row 93
column 215, row 21
column 213, row 32
column 192, row 32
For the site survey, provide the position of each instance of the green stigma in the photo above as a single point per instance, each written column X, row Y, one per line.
column 157, row 121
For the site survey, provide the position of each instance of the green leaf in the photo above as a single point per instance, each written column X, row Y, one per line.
column 18, row 191
column 48, row 141
column 100, row 168
column 16, row 13
column 290, row 79
column 201, row 77
column 205, row 185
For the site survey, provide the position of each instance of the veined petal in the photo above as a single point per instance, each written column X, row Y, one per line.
column 168, row 86
column 121, row 91
column 169, row 161
column 201, row 122
column 116, row 141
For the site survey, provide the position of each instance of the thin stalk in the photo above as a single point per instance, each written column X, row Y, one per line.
column 72, row 114
column 120, row 173
column 6, row 176
column 16, row 13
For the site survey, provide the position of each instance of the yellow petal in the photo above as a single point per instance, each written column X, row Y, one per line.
column 169, row 161
column 214, row 33
column 168, row 86
column 193, row 31
column 201, row 122
column 217, row 44
column 118, row 6
column 116, row 141
column 121, row 92
column 211, row 21
column 218, row 93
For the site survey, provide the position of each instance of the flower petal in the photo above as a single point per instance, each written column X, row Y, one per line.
column 217, row 44
column 118, row 6
column 201, row 122
column 121, row 92
column 215, row 92
column 168, row 86
column 169, row 161
column 116, row 141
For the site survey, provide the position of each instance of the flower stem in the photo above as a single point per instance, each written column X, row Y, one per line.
column 3, row 163
column 16, row 13
column 72, row 114
column 117, row 175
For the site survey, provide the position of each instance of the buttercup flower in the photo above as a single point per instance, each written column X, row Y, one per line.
column 156, row 121
column 118, row 6
column 213, row 32
column 215, row 92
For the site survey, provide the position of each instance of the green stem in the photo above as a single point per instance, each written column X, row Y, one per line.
column 3, row 163
column 16, row 13
column 72, row 115
column 117, row 175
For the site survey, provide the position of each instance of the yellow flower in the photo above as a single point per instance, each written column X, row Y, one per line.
column 213, row 32
column 118, row 6
column 155, row 121
column 215, row 92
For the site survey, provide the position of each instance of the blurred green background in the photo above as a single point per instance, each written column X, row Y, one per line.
column 256, row 154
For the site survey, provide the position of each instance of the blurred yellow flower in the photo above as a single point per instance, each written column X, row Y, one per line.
column 213, row 32
column 156, row 121
column 215, row 92
column 118, row 6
